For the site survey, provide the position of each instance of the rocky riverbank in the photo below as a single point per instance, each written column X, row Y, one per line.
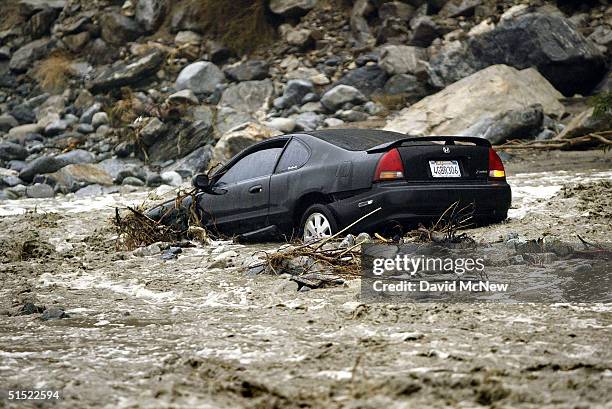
column 94, row 95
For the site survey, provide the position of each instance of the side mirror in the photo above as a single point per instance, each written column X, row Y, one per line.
column 200, row 181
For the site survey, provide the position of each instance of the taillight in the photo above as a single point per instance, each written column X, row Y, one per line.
column 496, row 167
column 389, row 166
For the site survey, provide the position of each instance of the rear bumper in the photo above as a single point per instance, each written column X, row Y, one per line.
column 408, row 203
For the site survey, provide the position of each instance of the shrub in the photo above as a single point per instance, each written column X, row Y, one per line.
column 53, row 72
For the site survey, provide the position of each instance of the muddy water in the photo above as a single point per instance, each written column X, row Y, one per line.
column 147, row 333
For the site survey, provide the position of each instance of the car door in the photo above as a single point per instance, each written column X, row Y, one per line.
column 244, row 191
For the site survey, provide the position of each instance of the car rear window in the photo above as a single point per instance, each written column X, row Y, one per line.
column 357, row 139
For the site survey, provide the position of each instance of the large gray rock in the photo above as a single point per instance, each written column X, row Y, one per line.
column 402, row 59
column 251, row 97
column 405, row 84
column 25, row 56
column 201, row 77
column 368, row 79
column 181, row 140
column 118, row 29
column 39, row 191
column 76, row 176
column 292, row 8
column 248, row 70
column 39, row 166
column 150, row 13
column 424, row 31
column 456, row 8
column 77, row 156
column 293, row 94
column 585, row 123
column 11, row 151
column 238, row 139
column 7, row 122
column 121, row 74
column 562, row 55
column 340, row 95
column 485, row 94
column 450, row 63
column 151, row 130
column 516, row 124
column 196, row 162
column 359, row 24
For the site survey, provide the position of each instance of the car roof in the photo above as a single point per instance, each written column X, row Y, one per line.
column 356, row 139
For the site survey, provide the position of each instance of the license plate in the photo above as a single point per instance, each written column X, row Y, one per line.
column 445, row 168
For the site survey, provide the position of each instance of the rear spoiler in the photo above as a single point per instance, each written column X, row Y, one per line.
column 448, row 140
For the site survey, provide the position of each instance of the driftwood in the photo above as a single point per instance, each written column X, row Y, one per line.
column 591, row 140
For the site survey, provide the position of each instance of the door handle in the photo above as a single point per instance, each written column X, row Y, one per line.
column 255, row 189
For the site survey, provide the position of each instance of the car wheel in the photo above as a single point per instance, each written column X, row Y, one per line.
column 317, row 222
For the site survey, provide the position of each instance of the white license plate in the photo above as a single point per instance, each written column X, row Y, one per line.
column 445, row 168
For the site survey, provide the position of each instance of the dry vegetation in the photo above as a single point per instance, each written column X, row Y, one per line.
column 242, row 25
column 53, row 72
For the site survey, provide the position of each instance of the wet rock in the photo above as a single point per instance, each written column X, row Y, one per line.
column 489, row 92
column 299, row 37
column 150, row 13
column 10, row 151
column 186, row 96
column 240, row 138
column 405, row 84
column 563, row 56
column 171, row 178
column 293, row 94
column 252, row 97
column 402, row 59
column 72, row 177
column 151, row 131
column 248, row 70
column 201, row 77
column 98, row 119
column 424, row 31
column 520, row 123
column 340, row 95
column 54, row 313
column 7, row 122
column 368, row 79
column 194, row 163
column 118, row 29
column 132, row 181
column 122, row 73
column 291, row 8
column 24, row 57
column 39, row 166
column 56, row 127
column 284, row 125
column 181, row 139
column 39, row 191
column 308, row 121
column 88, row 114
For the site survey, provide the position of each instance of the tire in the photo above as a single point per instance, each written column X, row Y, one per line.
column 317, row 217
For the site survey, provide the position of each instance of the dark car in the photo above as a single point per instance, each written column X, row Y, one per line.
column 315, row 183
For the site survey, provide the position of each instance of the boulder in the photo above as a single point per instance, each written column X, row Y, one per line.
column 308, row 121
column 299, row 37
column 39, row 166
column 456, row 8
column 571, row 63
column 284, row 125
column 424, row 31
column 150, row 13
column 513, row 124
column 40, row 23
column 450, row 63
column 201, row 77
column 19, row 132
column 8, row 121
column 151, row 130
column 395, row 10
column 238, row 139
column 359, row 24
column 228, row 118
column 180, row 140
column 122, row 73
column 98, row 119
column 73, row 177
column 24, row 57
column 184, row 96
column 405, row 84
column 485, row 94
column 39, row 191
column 340, row 95
column 402, row 59
column 171, row 178
column 118, row 29
column 368, row 79
column 248, row 70
column 10, row 151
column 76, row 156
column 293, row 94
column 251, row 97
column 292, row 8
column 194, row 163
column 187, row 37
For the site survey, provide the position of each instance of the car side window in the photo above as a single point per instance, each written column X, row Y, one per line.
column 295, row 156
column 256, row 164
